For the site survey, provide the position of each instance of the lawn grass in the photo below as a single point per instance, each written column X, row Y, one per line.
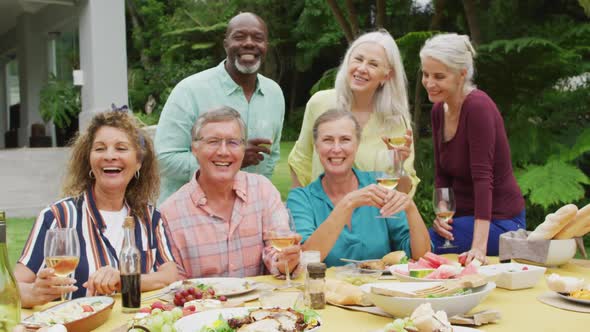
column 281, row 177
column 18, row 230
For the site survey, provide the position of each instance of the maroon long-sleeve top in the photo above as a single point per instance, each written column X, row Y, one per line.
column 476, row 162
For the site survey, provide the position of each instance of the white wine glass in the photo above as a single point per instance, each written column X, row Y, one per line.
column 264, row 129
column 62, row 252
column 282, row 238
column 388, row 170
column 444, row 207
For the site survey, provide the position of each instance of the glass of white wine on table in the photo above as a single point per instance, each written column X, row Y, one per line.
column 388, row 170
column 444, row 207
column 282, row 238
column 62, row 252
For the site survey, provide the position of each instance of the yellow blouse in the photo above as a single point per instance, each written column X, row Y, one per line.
column 305, row 162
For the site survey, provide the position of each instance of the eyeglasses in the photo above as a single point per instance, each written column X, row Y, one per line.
column 215, row 142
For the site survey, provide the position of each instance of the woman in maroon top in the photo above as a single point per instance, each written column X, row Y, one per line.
column 471, row 152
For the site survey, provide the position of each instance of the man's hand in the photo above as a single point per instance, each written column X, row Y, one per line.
column 254, row 147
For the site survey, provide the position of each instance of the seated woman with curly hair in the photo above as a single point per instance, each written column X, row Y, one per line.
column 112, row 174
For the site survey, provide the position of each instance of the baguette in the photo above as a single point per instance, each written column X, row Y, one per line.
column 578, row 227
column 554, row 222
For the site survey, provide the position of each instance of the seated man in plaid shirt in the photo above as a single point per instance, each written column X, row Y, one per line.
column 222, row 220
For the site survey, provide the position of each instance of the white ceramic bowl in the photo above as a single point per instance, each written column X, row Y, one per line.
column 514, row 275
column 559, row 253
column 404, row 306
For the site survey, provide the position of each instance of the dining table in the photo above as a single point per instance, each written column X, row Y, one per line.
column 520, row 310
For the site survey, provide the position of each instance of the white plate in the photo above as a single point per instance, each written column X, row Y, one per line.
column 196, row 322
column 222, row 286
column 573, row 299
column 457, row 328
column 358, row 263
column 489, row 273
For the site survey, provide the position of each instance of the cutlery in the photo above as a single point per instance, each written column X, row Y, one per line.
column 348, row 260
column 446, row 288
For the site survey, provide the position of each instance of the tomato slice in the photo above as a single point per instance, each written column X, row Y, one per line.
column 87, row 308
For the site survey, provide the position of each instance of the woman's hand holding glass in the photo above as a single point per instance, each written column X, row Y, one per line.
column 62, row 254
column 402, row 144
column 388, row 171
column 104, row 281
column 444, row 206
column 48, row 286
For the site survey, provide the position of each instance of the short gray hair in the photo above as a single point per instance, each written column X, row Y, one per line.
column 333, row 115
column 453, row 50
column 221, row 114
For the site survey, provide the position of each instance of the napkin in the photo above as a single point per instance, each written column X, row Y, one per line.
column 515, row 245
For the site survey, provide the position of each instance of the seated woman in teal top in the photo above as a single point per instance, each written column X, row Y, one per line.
column 337, row 213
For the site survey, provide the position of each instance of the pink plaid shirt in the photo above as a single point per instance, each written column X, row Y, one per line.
column 209, row 246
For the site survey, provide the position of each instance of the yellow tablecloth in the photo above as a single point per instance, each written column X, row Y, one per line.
column 520, row 310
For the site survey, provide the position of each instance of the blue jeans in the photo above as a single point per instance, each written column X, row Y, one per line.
column 463, row 233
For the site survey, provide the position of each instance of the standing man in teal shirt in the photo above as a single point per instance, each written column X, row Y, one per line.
column 235, row 82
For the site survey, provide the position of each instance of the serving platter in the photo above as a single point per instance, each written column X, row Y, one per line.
column 359, row 262
column 490, row 273
column 196, row 322
column 222, row 286
column 573, row 299
column 72, row 314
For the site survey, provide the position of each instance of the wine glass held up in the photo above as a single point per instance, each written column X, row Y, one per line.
column 282, row 239
column 388, row 170
column 264, row 136
column 444, row 207
column 62, row 252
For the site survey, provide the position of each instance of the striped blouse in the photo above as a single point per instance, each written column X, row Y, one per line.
column 95, row 249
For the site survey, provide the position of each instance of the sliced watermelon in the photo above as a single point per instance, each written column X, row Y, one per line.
column 435, row 260
column 445, row 272
column 426, row 264
column 469, row 269
column 401, row 270
column 420, row 273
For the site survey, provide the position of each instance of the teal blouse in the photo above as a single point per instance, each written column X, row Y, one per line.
column 370, row 237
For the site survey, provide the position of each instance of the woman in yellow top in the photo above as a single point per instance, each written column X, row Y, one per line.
column 371, row 83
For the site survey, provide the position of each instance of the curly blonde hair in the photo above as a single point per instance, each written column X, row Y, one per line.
column 139, row 192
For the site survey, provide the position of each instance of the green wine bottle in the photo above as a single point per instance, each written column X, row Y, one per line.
column 9, row 296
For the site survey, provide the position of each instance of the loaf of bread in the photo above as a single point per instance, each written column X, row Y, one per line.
column 578, row 227
column 393, row 257
column 560, row 284
column 554, row 222
column 583, row 216
column 343, row 293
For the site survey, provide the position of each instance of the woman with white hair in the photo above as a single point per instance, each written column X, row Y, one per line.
column 371, row 83
column 471, row 152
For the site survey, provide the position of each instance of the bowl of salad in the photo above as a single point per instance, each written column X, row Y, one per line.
column 80, row 315
column 453, row 304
